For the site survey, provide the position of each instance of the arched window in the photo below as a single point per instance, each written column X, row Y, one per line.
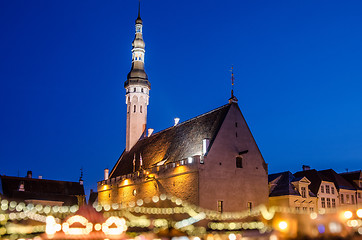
column 141, row 89
column 134, row 108
column 239, row 162
column 140, row 109
column 134, row 89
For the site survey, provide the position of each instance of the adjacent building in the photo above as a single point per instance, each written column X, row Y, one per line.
column 41, row 191
column 286, row 190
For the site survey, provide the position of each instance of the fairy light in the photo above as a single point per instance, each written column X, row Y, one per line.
column 120, row 226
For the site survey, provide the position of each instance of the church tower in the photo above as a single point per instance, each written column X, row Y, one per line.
column 137, row 89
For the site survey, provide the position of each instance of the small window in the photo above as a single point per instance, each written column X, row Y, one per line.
column 236, row 134
column 352, row 199
column 134, row 89
column 332, row 190
column 140, row 109
column 328, row 203
column 327, row 189
column 134, row 108
column 141, row 89
column 250, row 206
column 311, row 209
column 342, row 198
column 305, row 209
column 359, row 195
column 333, row 203
column 297, row 209
column 322, row 189
column 323, row 200
column 236, row 124
column 347, row 198
column 220, row 206
column 239, row 162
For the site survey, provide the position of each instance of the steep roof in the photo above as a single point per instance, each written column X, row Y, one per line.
column 351, row 177
column 174, row 143
column 314, row 177
column 338, row 180
column 283, row 185
column 41, row 189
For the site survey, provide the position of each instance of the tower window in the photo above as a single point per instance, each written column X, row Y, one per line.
column 239, row 162
column 236, row 124
column 134, row 108
column 140, row 109
column 141, row 89
column 134, row 88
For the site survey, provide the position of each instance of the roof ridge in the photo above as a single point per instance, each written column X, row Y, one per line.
column 189, row 120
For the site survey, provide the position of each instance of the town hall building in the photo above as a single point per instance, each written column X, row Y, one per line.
column 211, row 160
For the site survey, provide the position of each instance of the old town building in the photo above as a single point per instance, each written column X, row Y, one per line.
column 211, row 160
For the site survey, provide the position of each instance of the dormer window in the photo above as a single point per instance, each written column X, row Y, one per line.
column 21, row 186
column 303, row 192
column 322, row 189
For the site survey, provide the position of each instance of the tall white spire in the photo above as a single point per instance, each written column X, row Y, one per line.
column 137, row 89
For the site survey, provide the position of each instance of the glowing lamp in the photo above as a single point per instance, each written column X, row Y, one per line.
column 347, row 214
column 359, row 213
column 283, row 225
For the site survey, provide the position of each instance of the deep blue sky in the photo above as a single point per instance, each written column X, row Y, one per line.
column 298, row 70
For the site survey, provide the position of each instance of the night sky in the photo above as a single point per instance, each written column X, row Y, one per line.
column 297, row 64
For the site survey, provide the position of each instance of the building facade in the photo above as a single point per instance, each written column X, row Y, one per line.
column 211, row 161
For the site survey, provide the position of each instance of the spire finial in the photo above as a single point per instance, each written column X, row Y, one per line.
column 139, row 8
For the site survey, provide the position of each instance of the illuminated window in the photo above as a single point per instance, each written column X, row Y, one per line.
column 352, row 199
column 327, row 189
column 332, row 190
column 304, row 192
column 328, row 203
column 239, row 162
column 220, row 206
column 250, row 206
column 333, row 203
column 323, row 200
column 134, row 192
column 347, row 198
column 342, row 198
column 322, row 189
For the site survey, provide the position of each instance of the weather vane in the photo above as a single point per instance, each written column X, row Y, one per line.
column 232, row 81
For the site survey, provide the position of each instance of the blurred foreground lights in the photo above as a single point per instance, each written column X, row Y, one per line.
column 232, row 236
column 283, row 225
column 273, row 237
column 50, row 225
column 335, row 227
column 359, row 213
column 360, row 231
column 347, row 214
column 313, row 215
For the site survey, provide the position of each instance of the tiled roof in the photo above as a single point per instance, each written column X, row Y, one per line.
column 338, row 180
column 41, row 189
column 174, row 143
column 351, row 176
column 283, row 184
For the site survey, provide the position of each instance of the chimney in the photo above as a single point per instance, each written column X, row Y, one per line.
column 150, row 131
column 205, row 145
column 40, row 177
column 176, row 121
column 106, row 174
column 29, row 174
column 306, row 167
